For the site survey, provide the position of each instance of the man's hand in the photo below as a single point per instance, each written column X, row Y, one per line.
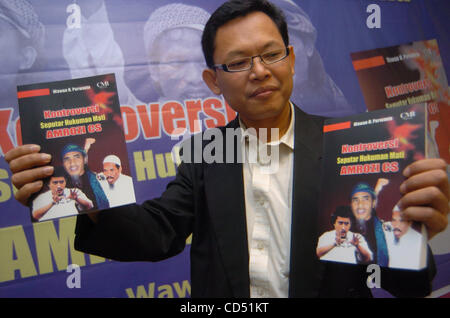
column 88, row 143
column 29, row 167
column 339, row 239
column 355, row 240
column 56, row 198
column 426, row 194
column 73, row 194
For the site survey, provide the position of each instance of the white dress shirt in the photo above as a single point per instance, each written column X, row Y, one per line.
column 268, row 205
column 345, row 252
column 64, row 207
column 409, row 252
column 119, row 193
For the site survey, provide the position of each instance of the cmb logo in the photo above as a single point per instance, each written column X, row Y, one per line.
column 102, row 84
column 408, row 115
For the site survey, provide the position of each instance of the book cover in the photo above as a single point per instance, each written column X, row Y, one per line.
column 408, row 74
column 79, row 123
column 364, row 156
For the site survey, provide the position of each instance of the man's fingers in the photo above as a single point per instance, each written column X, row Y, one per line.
column 24, row 193
column 436, row 178
column 429, row 206
column 29, row 161
column 423, row 165
column 21, row 151
column 20, row 179
column 434, row 220
column 429, row 196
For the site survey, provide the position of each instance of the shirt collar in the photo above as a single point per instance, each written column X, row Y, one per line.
column 287, row 138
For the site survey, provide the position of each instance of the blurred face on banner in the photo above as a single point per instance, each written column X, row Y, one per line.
column 10, row 42
column 21, row 38
column 303, row 52
column 177, row 63
column 301, row 35
column 15, row 56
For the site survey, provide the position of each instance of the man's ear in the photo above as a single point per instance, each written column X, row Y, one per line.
column 28, row 57
column 292, row 59
column 210, row 79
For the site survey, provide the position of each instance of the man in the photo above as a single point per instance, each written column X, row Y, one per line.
column 251, row 237
column 363, row 203
column 406, row 246
column 341, row 244
column 59, row 201
column 172, row 36
column 74, row 160
column 118, row 187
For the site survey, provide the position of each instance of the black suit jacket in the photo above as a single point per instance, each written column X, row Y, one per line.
column 208, row 201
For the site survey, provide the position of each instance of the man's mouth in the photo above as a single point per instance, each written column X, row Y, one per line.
column 361, row 212
column 263, row 91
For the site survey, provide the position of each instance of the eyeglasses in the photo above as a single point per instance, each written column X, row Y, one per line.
column 246, row 63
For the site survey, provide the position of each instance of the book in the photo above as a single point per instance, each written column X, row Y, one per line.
column 408, row 74
column 364, row 157
column 78, row 122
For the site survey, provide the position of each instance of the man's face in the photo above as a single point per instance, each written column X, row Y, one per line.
column 342, row 226
column 263, row 92
column 179, row 64
column 400, row 227
column 362, row 205
column 57, row 185
column 111, row 172
column 73, row 163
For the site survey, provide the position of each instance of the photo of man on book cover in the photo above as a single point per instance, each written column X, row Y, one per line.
column 78, row 122
column 364, row 157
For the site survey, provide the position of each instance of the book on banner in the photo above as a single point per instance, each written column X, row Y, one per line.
column 78, row 122
column 364, row 158
column 407, row 74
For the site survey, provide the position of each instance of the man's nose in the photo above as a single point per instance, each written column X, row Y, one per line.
column 259, row 70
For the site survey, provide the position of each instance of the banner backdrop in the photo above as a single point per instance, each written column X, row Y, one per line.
column 153, row 47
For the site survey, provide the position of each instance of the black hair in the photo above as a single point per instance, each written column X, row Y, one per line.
column 59, row 172
column 343, row 211
column 233, row 9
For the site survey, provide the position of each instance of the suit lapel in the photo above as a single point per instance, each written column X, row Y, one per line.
column 224, row 188
column 306, row 186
